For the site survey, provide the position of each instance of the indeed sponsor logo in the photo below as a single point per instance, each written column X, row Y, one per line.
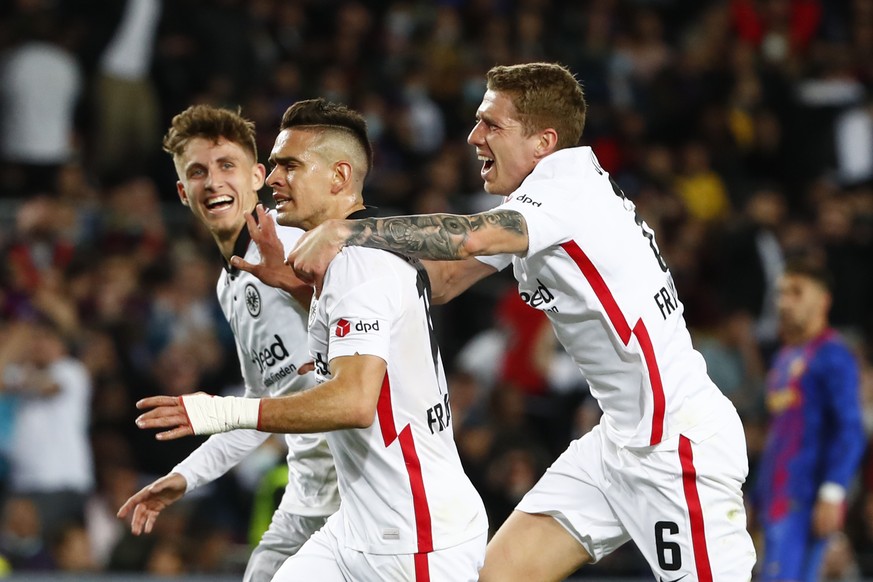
column 525, row 199
column 280, row 374
column 266, row 357
column 345, row 327
column 539, row 297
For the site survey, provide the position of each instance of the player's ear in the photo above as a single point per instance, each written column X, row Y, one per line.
column 828, row 301
column 183, row 195
column 259, row 174
column 547, row 144
column 342, row 175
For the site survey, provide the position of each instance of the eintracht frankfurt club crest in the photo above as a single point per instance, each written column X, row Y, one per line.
column 253, row 300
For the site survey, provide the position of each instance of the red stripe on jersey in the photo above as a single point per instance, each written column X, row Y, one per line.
column 422, row 568
column 623, row 329
column 655, row 377
column 604, row 295
column 695, row 512
column 423, row 527
column 386, row 414
column 419, row 495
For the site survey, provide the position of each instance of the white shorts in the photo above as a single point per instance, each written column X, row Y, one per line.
column 325, row 559
column 680, row 501
column 285, row 536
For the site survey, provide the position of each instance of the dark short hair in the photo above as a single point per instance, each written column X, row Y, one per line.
column 320, row 113
column 811, row 269
column 208, row 122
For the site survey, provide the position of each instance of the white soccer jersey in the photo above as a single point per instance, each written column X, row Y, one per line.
column 403, row 488
column 594, row 268
column 269, row 326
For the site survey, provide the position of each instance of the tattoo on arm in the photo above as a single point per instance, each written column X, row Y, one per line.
column 431, row 236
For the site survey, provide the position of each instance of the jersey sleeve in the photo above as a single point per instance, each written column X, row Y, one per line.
column 361, row 297
column 219, row 454
column 545, row 213
column 839, row 379
column 498, row 262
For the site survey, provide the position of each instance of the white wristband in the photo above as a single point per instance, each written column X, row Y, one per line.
column 832, row 492
column 213, row 414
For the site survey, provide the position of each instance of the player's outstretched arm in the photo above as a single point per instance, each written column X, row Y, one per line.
column 347, row 400
column 272, row 269
column 438, row 237
column 198, row 414
column 146, row 505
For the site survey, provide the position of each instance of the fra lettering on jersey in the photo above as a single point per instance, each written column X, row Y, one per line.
column 439, row 415
column 666, row 300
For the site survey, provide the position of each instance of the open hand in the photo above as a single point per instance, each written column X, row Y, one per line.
column 272, row 269
column 165, row 412
column 148, row 503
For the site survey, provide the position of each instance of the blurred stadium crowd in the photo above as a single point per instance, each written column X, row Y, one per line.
column 742, row 130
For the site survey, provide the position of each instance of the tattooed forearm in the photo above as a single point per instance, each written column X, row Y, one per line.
column 433, row 236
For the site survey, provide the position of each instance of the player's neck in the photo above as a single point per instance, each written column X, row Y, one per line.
column 351, row 210
column 808, row 334
column 226, row 241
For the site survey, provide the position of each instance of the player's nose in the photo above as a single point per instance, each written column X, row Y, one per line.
column 475, row 136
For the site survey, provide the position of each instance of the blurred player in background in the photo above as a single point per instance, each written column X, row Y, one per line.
column 816, row 438
column 666, row 465
column 219, row 176
column 408, row 510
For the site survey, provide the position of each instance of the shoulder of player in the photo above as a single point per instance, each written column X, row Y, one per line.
column 834, row 351
column 358, row 265
column 575, row 161
column 557, row 179
column 229, row 285
column 289, row 235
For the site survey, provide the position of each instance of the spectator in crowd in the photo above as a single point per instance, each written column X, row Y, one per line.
column 127, row 110
column 51, row 460
column 41, row 83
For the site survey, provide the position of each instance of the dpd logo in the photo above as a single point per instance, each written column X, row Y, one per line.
column 253, row 300
column 525, row 199
column 366, row 327
column 343, row 327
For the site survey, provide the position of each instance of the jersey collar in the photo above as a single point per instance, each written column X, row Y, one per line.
column 240, row 246
column 366, row 212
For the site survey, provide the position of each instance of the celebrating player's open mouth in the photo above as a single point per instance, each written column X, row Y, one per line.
column 487, row 164
column 218, row 203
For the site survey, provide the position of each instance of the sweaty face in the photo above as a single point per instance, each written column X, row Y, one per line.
column 506, row 152
column 301, row 179
column 219, row 182
column 802, row 304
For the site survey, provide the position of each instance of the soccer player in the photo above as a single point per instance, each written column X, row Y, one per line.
column 666, row 464
column 215, row 156
column 816, row 438
column 408, row 511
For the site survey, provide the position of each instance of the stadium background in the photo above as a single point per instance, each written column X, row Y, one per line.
column 742, row 129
